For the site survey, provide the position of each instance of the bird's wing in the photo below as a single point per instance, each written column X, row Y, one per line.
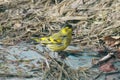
column 44, row 40
column 59, row 46
column 54, row 39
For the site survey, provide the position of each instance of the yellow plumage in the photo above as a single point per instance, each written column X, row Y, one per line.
column 58, row 41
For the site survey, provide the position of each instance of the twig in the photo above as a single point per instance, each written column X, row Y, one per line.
column 60, row 77
column 43, row 57
column 114, row 72
column 62, row 69
column 16, row 75
column 60, row 19
column 108, row 56
column 98, row 76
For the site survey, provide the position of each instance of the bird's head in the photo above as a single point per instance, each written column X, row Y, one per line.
column 67, row 29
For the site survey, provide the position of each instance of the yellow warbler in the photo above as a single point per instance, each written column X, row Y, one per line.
column 58, row 41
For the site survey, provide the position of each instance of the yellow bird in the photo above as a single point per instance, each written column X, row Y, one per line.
column 58, row 41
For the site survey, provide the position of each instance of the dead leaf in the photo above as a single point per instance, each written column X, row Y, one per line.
column 108, row 67
column 118, row 53
column 112, row 41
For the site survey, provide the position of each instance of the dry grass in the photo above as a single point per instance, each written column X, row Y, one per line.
column 93, row 19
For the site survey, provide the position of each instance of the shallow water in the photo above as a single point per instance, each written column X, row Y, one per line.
column 24, row 51
column 22, row 58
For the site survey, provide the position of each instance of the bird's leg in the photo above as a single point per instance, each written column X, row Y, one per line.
column 62, row 54
column 55, row 54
